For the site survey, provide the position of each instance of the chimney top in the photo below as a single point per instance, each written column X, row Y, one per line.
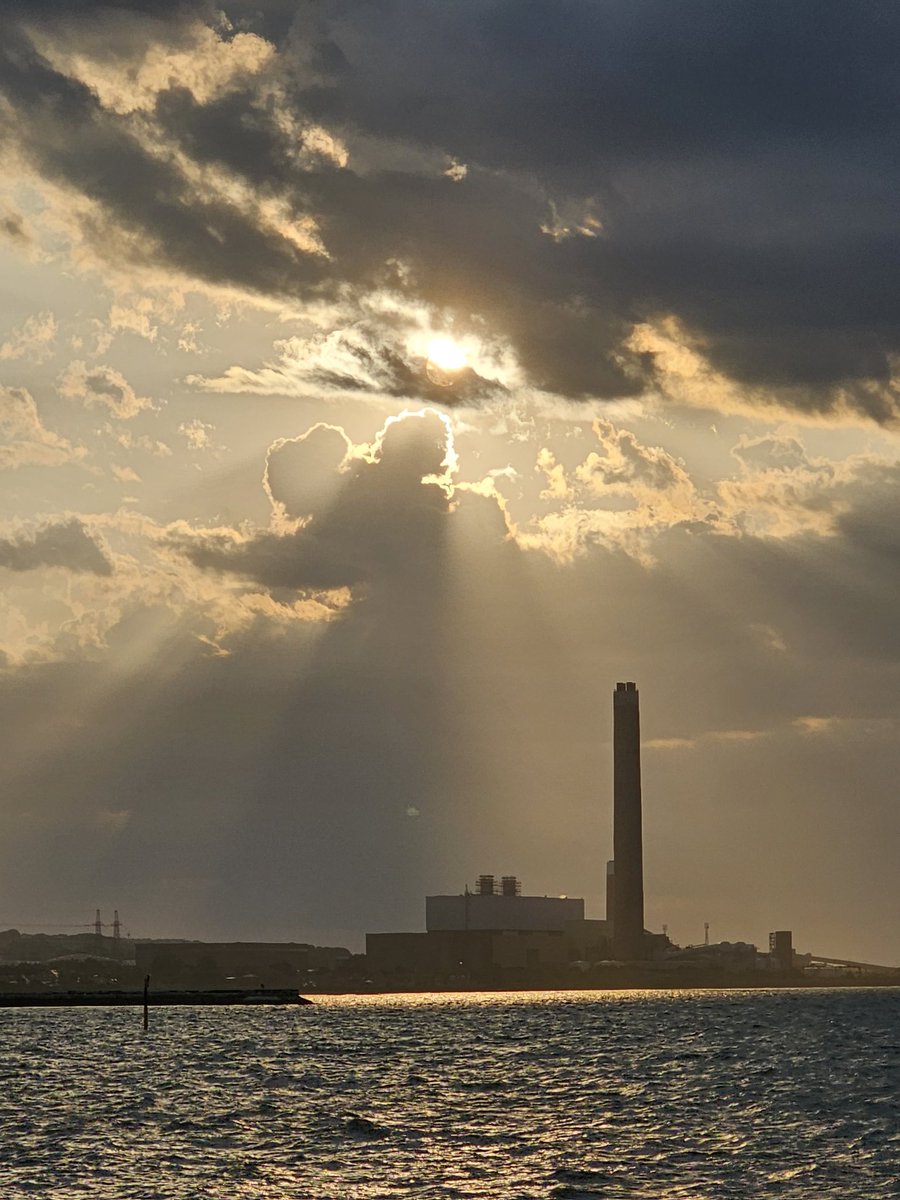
column 626, row 693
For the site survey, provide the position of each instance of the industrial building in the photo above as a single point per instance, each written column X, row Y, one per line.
column 501, row 907
column 781, row 949
column 481, row 956
column 489, row 933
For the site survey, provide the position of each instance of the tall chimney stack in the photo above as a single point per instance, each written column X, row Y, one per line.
column 628, row 890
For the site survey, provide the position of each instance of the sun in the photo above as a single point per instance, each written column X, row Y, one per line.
column 446, row 354
column 444, row 359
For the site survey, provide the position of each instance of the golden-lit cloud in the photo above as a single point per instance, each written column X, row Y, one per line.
column 673, row 743
column 99, row 386
column 127, row 439
column 558, row 487
column 384, row 346
column 125, row 474
column 816, row 724
column 572, row 219
column 198, row 58
column 683, row 374
column 32, row 339
column 624, row 494
column 143, row 314
column 726, row 736
column 28, row 442
column 198, row 434
column 65, row 543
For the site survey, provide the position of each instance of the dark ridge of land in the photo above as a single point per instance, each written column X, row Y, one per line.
column 154, row 999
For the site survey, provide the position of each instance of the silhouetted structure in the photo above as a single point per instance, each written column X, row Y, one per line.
column 440, row 957
column 230, row 964
column 610, row 890
column 628, row 855
column 507, row 909
column 781, row 949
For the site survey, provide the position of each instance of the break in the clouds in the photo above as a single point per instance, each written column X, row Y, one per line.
column 379, row 383
column 370, row 358
column 567, row 173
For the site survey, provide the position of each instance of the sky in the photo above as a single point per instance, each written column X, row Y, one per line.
column 380, row 383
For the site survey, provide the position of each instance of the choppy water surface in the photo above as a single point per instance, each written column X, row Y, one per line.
column 703, row 1094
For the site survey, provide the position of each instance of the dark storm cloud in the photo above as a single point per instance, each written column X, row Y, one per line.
column 72, row 140
column 382, row 523
column 741, row 155
column 41, row 9
column 166, row 18
column 869, row 530
column 57, row 544
column 474, row 245
column 732, row 164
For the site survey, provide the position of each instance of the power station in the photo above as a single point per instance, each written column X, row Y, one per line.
column 490, row 936
column 498, row 928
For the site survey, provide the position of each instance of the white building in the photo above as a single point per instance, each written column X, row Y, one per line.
column 486, row 909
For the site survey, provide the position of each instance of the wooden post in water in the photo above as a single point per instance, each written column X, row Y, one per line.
column 146, row 1009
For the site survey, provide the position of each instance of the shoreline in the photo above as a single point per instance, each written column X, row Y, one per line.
column 287, row 996
column 170, row 997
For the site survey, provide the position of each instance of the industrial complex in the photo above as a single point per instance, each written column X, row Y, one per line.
column 495, row 929
column 493, row 935
column 488, row 936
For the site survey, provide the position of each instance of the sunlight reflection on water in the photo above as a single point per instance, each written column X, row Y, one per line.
column 560, row 1095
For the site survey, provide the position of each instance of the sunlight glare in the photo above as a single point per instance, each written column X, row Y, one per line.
column 445, row 358
column 447, row 354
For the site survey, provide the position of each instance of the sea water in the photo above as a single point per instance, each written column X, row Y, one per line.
column 560, row 1095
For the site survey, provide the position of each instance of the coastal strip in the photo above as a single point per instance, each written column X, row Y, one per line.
column 154, row 999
